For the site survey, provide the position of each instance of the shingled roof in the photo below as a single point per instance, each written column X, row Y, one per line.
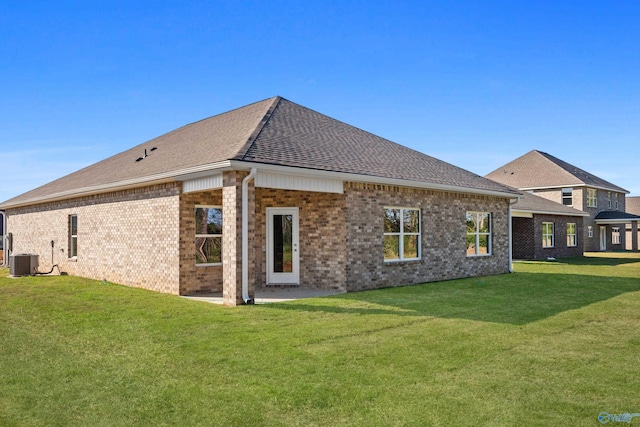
column 531, row 203
column 270, row 132
column 541, row 170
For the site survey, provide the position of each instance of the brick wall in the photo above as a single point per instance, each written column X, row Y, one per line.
column 523, row 238
column 127, row 237
column 560, row 249
column 443, row 236
column 322, row 236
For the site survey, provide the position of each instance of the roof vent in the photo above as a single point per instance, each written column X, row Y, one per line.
column 146, row 154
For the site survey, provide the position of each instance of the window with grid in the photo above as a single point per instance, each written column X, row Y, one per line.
column 401, row 234
column 478, row 233
column 73, row 236
column 615, row 235
column 208, row 239
column 567, row 196
column 547, row 235
column 572, row 237
column 592, row 198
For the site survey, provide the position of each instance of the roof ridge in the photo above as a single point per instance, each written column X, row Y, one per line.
column 242, row 152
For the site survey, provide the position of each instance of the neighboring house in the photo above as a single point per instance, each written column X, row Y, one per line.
column 544, row 229
column 270, row 194
column 632, row 207
column 556, row 180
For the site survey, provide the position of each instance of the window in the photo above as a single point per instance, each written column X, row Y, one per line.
column 572, row 237
column 592, row 198
column 547, row 234
column 478, row 233
column 590, row 231
column 208, row 242
column 401, row 234
column 609, row 199
column 567, row 196
column 615, row 235
column 615, row 196
column 73, row 236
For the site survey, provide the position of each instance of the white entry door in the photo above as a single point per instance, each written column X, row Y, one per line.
column 603, row 238
column 283, row 255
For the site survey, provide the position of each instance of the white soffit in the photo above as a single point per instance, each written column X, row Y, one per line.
column 519, row 214
column 200, row 184
column 289, row 182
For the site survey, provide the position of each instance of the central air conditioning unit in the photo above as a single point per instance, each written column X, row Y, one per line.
column 23, row 264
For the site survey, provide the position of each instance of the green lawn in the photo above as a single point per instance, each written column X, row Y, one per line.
column 554, row 344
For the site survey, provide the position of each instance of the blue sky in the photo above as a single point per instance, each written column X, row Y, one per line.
column 473, row 83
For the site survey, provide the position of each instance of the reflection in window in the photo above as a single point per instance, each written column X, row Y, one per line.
column 401, row 234
column 478, row 233
column 73, row 236
column 208, row 239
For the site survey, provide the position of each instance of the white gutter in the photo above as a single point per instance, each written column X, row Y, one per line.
column 551, row 187
column 245, row 236
column 510, row 227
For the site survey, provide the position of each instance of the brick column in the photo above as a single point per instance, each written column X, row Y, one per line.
column 634, row 235
column 232, row 238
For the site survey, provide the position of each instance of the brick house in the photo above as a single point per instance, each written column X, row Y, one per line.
column 551, row 178
column 544, row 229
column 270, row 194
column 632, row 206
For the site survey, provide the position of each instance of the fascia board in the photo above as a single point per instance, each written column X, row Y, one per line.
column 551, row 187
column 207, row 169
column 616, row 221
column 343, row 176
column 122, row 185
column 538, row 212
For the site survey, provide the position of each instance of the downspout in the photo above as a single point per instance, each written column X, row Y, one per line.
column 511, row 203
column 5, row 248
column 245, row 236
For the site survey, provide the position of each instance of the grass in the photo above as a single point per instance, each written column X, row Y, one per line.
column 554, row 344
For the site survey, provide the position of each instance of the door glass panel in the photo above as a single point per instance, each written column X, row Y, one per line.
column 282, row 243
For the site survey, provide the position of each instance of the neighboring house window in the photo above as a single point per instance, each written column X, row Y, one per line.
column 572, row 237
column 208, row 242
column 401, row 234
column 547, row 234
column 567, row 196
column 590, row 231
column 478, row 233
column 73, row 236
column 615, row 235
column 609, row 199
column 592, row 198
column 615, row 196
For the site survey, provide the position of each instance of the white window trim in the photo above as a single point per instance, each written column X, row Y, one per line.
column 574, row 234
column 208, row 264
column 73, row 237
column 609, row 199
column 569, row 196
column 590, row 231
column 402, row 233
column 553, row 240
column 592, row 201
column 477, row 235
column 615, row 236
